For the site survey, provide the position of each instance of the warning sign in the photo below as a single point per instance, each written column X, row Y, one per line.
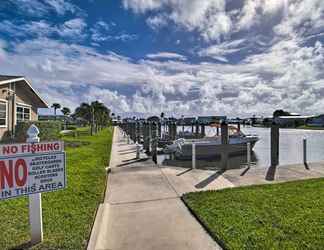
column 32, row 173
column 31, row 148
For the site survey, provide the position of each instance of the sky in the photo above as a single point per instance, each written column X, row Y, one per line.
column 180, row 57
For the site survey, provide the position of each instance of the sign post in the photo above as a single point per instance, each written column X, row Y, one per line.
column 35, row 200
column 32, row 168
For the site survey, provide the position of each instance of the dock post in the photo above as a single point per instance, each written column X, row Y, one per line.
column 197, row 129
column 170, row 130
column 203, row 133
column 192, row 128
column 238, row 126
column 224, row 140
column 149, row 140
column 138, row 147
column 133, row 131
column 174, row 136
column 154, row 142
column 274, row 145
column 305, row 150
column 248, row 148
column 193, row 155
column 137, row 131
column 224, row 132
column 159, row 130
column 217, row 131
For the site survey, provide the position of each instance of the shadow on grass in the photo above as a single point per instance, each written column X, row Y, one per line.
column 210, row 179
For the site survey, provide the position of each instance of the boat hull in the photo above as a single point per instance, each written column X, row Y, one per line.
column 208, row 151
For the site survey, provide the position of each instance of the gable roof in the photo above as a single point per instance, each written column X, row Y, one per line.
column 4, row 79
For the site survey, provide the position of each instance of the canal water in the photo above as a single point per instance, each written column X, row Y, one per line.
column 290, row 148
column 290, row 145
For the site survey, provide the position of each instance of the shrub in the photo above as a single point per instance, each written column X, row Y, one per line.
column 71, row 127
column 49, row 130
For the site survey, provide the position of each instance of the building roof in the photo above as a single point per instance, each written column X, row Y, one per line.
column 295, row 117
column 4, row 79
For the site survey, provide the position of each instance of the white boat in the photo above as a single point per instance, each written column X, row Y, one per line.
column 211, row 147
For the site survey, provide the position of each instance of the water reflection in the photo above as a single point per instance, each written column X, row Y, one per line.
column 290, row 149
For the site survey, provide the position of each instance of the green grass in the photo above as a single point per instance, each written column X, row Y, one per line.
column 278, row 216
column 68, row 214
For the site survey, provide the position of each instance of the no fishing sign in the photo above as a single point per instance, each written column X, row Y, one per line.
column 29, row 168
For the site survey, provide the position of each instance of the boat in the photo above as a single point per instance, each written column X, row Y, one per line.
column 212, row 147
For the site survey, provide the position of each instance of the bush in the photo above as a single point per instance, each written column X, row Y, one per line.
column 71, row 127
column 49, row 130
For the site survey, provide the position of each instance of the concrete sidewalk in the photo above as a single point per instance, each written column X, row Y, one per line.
column 142, row 208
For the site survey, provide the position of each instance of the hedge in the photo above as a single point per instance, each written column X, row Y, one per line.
column 49, row 130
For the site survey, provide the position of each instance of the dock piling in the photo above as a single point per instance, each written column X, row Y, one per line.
column 154, row 142
column 248, row 147
column 193, row 155
column 305, row 150
column 274, row 145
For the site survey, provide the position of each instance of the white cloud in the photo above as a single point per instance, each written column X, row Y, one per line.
column 72, row 28
column 166, row 55
column 44, row 7
column 206, row 16
column 103, row 31
column 141, row 6
column 277, row 68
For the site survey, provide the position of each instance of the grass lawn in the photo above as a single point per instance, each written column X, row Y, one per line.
column 277, row 216
column 68, row 214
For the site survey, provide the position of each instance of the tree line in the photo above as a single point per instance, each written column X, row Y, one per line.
column 94, row 114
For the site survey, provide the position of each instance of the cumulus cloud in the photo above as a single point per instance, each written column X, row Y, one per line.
column 270, row 52
column 206, row 16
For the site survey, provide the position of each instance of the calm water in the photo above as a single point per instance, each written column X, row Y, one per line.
column 290, row 147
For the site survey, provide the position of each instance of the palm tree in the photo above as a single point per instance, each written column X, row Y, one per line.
column 56, row 106
column 100, row 114
column 96, row 114
column 66, row 111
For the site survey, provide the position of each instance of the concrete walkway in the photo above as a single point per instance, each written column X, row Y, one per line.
column 143, row 209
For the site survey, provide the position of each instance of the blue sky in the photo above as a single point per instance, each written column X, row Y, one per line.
column 182, row 57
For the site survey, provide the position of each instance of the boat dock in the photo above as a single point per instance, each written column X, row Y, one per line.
column 145, row 197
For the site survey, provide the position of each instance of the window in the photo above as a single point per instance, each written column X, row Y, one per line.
column 3, row 114
column 23, row 113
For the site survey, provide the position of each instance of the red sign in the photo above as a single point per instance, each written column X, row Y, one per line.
column 31, row 148
column 29, row 174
